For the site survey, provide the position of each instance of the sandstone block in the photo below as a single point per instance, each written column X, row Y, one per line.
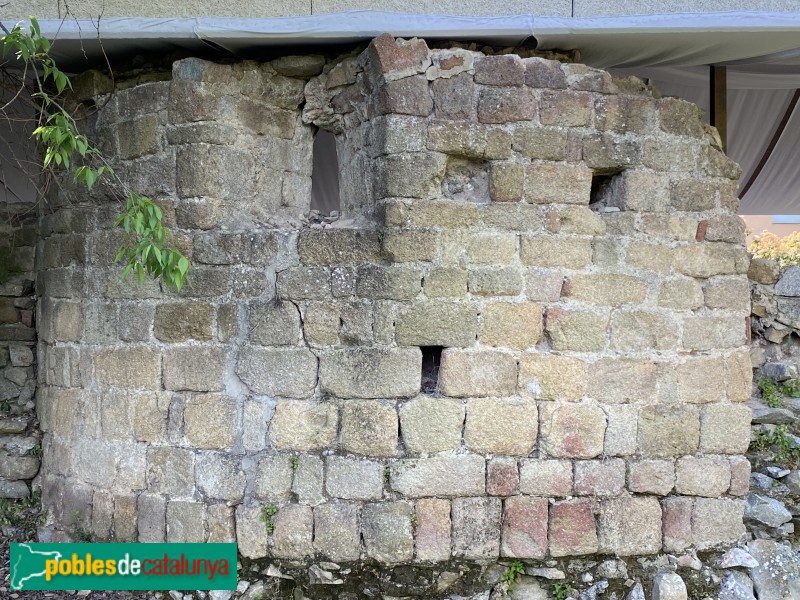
column 410, row 246
column 693, row 195
column 580, row 220
column 321, row 323
column 651, row 476
column 371, row 372
column 739, row 372
column 209, row 420
column 572, row 528
column 289, row 372
column 304, row 425
column 274, row 478
column 476, row 527
column 506, row 182
column 369, row 428
column 495, row 281
column 717, row 522
column 730, row 294
column 503, row 105
column 388, row 283
column 542, row 477
column 337, row 532
column 546, row 376
column 502, row 476
column 151, row 518
column 433, row 529
column 581, row 331
column 293, row 531
column 170, row 471
column 251, row 536
column 704, row 476
column 652, row 257
column 540, row 142
column 220, row 476
column 543, row 73
column 308, row 478
column 565, row 108
column 136, row 368
column 445, row 282
column 700, row 380
column 680, row 117
column 606, row 290
column 452, row 98
column 502, row 70
column 725, row 428
column 501, row 426
column 629, row 526
column 708, row 333
column 680, row 294
column 387, row 531
column 436, row 323
column 511, row 325
column 491, row 248
column 621, row 380
column 705, row 260
column 639, row 331
column 431, row 425
column 677, row 523
column 608, row 151
column 572, row 430
column 482, row 373
column 304, row 283
column 524, row 533
column 555, row 252
column 396, row 58
column 642, row 191
column 275, row 324
column 220, row 524
column 667, row 431
column 601, row 478
column 764, row 270
column 353, row 479
column 408, row 96
column 410, row 175
column 557, row 183
column 198, row 368
column 446, row 476
column 185, row 522
column 338, row 247
column 740, row 476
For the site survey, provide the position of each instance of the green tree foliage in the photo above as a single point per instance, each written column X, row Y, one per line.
column 146, row 253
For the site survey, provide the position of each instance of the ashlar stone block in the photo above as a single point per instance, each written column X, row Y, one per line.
column 481, row 373
column 369, row 428
column 501, row 426
column 476, row 527
column 524, row 533
column 430, row 425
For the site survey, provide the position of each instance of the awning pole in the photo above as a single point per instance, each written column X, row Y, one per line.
column 718, row 79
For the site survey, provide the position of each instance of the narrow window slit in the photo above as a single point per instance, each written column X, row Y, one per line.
column 325, row 176
column 431, row 360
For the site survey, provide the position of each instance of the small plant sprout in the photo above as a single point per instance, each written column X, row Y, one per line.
column 295, row 462
column 387, row 473
column 414, row 521
column 267, row 513
column 561, row 591
column 769, row 391
column 513, row 572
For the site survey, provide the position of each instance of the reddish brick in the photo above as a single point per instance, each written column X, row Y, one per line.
column 397, row 55
column 702, row 228
column 502, row 105
column 504, row 69
column 677, row 523
column 433, row 529
column 573, row 530
column 503, row 477
column 740, row 476
column 525, row 527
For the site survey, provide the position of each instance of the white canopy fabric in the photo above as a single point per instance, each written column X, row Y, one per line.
column 761, row 49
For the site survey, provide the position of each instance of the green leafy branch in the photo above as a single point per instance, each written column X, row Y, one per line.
column 145, row 251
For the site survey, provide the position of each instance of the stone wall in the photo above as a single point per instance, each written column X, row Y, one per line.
column 20, row 447
column 524, row 337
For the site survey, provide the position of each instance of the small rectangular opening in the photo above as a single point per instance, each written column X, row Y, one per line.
column 431, row 360
column 325, row 175
column 601, row 196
